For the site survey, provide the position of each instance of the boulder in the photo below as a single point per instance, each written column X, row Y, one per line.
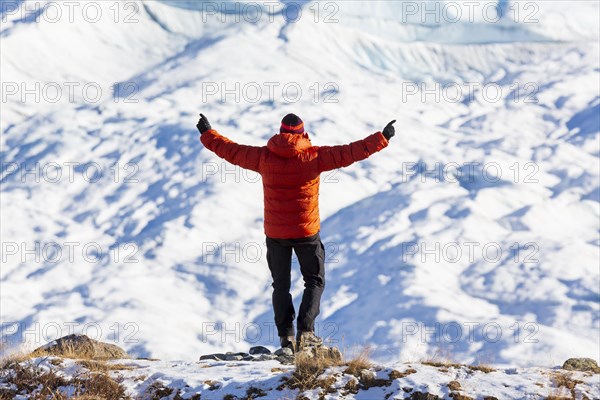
column 81, row 346
column 581, row 364
column 259, row 350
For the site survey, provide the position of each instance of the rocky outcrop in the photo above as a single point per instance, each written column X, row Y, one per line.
column 81, row 347
column 581, row 364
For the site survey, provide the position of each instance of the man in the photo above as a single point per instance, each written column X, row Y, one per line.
column 290, row 167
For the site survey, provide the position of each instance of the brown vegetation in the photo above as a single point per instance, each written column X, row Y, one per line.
column 27, row 378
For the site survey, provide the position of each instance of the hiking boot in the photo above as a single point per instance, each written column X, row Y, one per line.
column 287, row 342
column 307, row 339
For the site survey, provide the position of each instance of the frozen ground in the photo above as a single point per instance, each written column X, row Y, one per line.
column 269, row 380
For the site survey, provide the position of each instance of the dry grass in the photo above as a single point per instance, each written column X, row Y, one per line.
column 156, row 391
column 395, row 374
column 67, row 350
column 442, row 359
column 308, row 370
column 98, row 385
column 359, row 362
column 103, row 366
column 448, row 364
column 15, row 357
column 440, row 355
column 29, row 379
column 483, row 368
column 308, row 374
column 563, row 382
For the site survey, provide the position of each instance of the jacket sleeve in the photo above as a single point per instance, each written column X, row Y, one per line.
column 332, row 157
column 247, row 157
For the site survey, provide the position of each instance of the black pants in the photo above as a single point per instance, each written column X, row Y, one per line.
column 311, row 255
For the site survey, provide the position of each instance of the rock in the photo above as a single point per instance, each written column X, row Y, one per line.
column 215, row 357
column 458, row 396
column 265, row 357
column 81, row 346
column 366, row 375
column 335, row 354
column 286, row 359
column 231, row 356
column 323, row 352
column 423, row 396
column 454, row 385
column 581, row 364
column 249, row 358
column 259, row 350
column 284, row 351
column 284, row 355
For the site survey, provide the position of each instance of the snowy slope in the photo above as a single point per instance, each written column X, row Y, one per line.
column 180, row 235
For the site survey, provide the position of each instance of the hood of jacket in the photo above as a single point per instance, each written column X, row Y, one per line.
column 288, row 145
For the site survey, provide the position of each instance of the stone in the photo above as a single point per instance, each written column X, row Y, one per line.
column 335, row 354
column 286, row 359
column 265, row 357
column 367, row 375
column 581, row 364
column 215, row 357
column 423, row 396
column 324, row 352
column 259, row 350
column 284, row 351
column 81, row 346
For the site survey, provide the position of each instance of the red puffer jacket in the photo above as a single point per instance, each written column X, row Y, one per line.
column 290, row 167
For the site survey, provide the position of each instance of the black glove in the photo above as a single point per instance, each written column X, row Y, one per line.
column 203, row 124
column 389, row 130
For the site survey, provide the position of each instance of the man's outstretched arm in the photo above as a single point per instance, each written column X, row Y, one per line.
column 333, row 157
column 247, row 157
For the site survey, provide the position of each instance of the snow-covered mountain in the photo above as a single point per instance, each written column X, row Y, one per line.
column 474, row 234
